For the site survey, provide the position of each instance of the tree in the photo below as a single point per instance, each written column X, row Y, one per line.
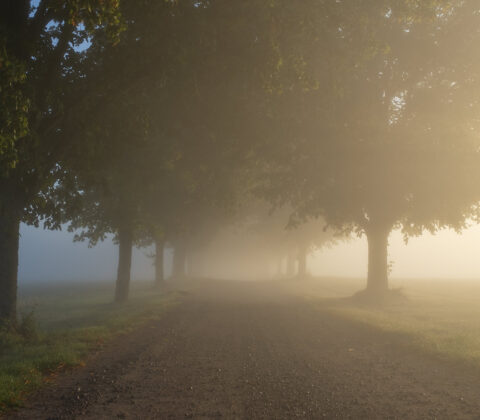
column 290, row 238
column 307, row 236
column 151, row 170
column 36, row 54
column 397, row 147
column 103, row 183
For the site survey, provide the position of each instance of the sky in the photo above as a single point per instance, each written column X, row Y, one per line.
column 444, row 255
column 52, row 256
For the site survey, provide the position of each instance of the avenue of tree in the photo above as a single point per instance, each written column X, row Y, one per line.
column 168, row 122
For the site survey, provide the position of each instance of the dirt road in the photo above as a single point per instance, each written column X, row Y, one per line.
column 247, row 351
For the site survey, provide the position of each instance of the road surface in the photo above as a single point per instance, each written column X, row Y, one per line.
column 245, row 351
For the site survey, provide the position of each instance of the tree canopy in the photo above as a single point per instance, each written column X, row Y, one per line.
column 38, row 53
column 158, row 121
column 392, row 142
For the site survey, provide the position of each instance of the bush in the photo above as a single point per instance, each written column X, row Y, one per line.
column 27, row 327
column 9, row 339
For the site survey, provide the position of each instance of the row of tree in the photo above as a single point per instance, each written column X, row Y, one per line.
column 157, row 121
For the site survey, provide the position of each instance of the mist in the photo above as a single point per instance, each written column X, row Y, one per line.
column 445, row 255
column 53, row 256
column 240, row 209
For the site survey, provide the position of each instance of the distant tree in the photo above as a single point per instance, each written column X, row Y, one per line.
column 165, row 146
column 116, row 142
column 307, row 236
column 288, row 237
column 213, row 110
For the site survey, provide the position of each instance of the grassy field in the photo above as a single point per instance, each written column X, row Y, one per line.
column 61, row 324
column 438, row 316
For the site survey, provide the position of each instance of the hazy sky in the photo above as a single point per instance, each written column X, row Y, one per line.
column 53, row 256
column 46, row 255
column 444, row 255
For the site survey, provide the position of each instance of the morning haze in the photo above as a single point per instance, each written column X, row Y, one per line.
column 239, row 209
column 53, row 256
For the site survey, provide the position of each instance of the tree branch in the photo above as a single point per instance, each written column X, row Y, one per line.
column 43, row 16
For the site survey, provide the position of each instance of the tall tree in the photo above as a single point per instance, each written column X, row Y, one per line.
column 397, row 146
column 104, row 183
column 168, row 142
column 37, row 41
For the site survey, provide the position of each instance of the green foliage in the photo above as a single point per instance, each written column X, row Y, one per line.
column 352, row 112
column 36, row 62
column 167, row 141
column 360, row 113
column 386, row 132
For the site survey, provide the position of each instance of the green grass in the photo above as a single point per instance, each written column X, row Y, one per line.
column 60, row 325
column 439, row 316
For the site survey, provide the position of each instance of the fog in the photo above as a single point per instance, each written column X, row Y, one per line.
column 363, row 128
column 269, row 209
column 443, row 255
column 53, row 256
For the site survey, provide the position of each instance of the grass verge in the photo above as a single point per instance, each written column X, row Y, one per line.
column 441, row 317
column 60, row 325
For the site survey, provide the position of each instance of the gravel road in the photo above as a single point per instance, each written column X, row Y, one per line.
column 247, row 351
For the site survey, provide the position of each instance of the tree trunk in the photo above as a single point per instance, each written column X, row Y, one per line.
column 9, row 237
column 377, row 280
column 179, row 261
column 302, row 261
column 125, row 238
column 159, row 245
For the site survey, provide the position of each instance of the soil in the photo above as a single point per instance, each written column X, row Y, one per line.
column 252, row 351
